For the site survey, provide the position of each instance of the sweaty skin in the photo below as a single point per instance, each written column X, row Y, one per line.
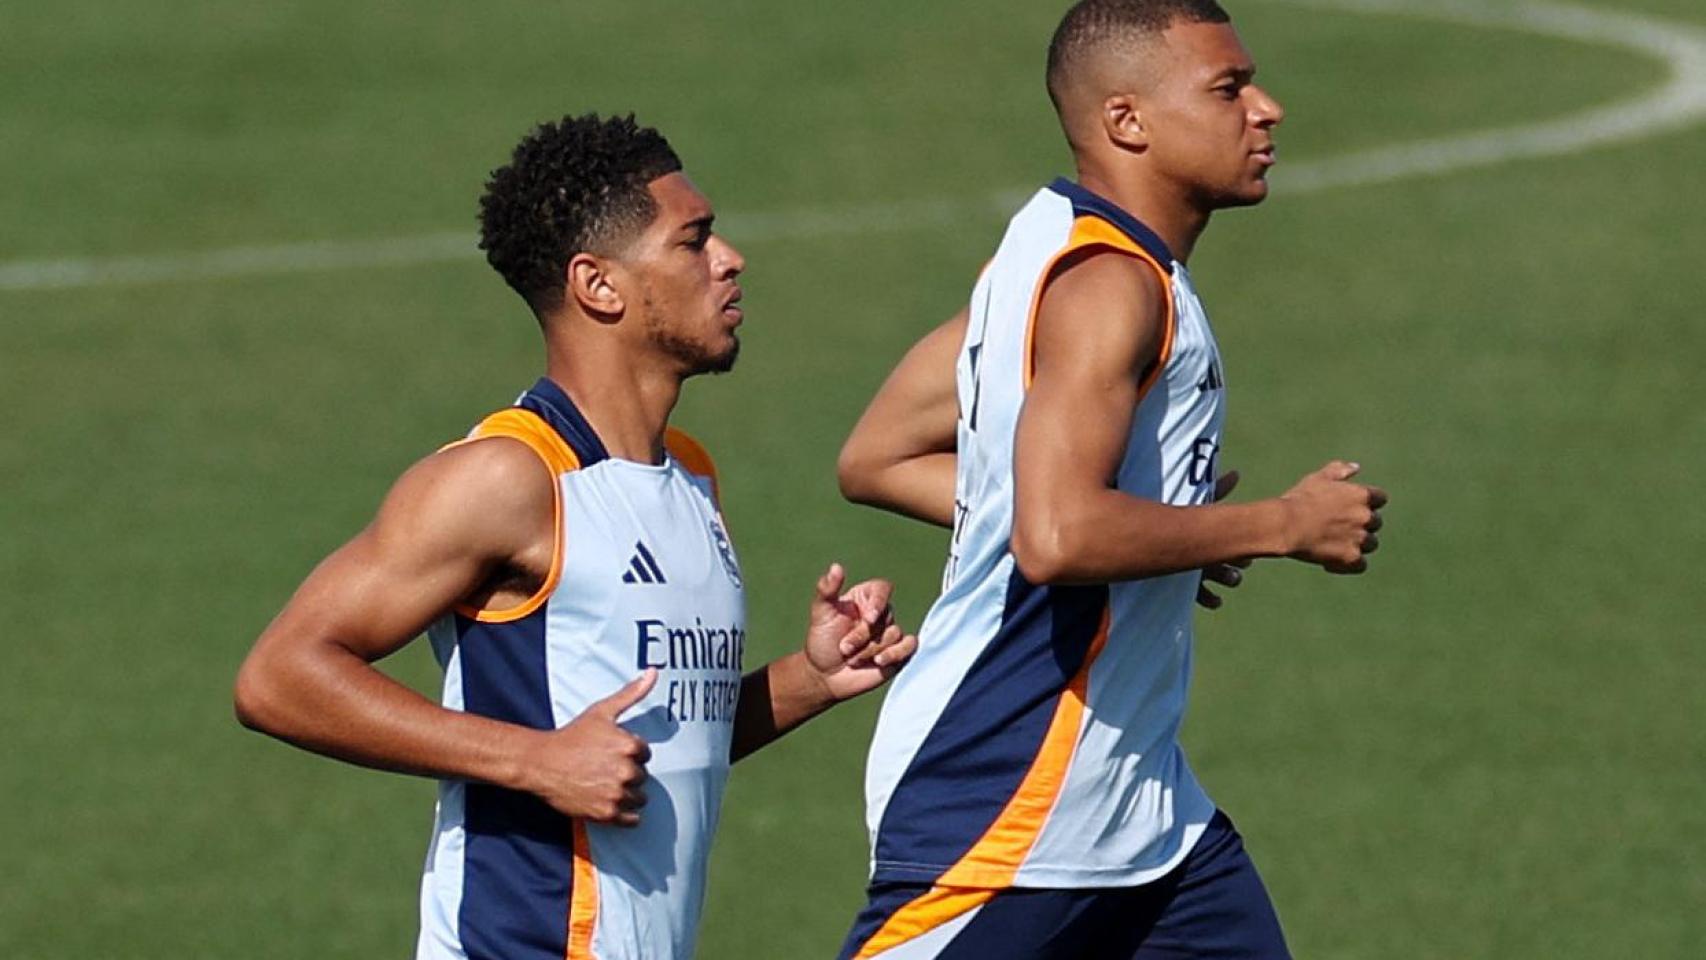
column 1170, row 135
column 474, row 525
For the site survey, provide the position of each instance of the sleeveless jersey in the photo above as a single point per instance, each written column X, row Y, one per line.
column 1032, row 741
column 643, row 576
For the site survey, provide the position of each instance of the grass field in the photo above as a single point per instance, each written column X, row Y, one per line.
column 1491, row 746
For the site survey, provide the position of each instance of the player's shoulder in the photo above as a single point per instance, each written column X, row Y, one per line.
column 485, row 496
column 510, row 459
column 488, row 474
column 689, row 452
column 693, row 457
column 1107, row 276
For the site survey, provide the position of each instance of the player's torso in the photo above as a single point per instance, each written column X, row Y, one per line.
column 646, row 578
column 1033, row 717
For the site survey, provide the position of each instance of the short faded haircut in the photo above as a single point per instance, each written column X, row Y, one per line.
column 1092, row 25
column 575, row 185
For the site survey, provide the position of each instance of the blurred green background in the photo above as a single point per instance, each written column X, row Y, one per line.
column 1490, row 746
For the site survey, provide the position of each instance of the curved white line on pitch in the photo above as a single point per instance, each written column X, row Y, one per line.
column 1679, row 103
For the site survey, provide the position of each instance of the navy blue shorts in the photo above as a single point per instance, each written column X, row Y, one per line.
column 1213, row 906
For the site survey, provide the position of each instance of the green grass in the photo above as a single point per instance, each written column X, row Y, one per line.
column 1487, row 747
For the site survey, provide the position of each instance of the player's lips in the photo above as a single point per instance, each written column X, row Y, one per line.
column 1265, row 156
column 731, row 308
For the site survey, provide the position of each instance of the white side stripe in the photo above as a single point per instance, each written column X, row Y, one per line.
column 1679, row 103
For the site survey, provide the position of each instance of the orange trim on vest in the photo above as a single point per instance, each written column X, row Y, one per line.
column 692, row 457
column 993, row 862
column 527, row 427
column 1090, row 232
column 583, row 901
column 929, row 910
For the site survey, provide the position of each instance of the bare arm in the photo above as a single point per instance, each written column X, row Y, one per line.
column 450, row 525
column 1070, row 523
column 900, row 455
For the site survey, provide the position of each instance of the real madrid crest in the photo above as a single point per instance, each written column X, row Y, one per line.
column 726, row 550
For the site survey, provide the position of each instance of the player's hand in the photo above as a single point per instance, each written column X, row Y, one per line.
column 1331, row 521
column 1231, row 573
column 591, row 768
column 852, row 641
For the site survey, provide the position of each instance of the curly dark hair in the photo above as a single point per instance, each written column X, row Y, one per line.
column 577, row 185
column 1090, row 24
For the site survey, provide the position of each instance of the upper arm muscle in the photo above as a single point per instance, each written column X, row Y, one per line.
column 916, row 409
column 448, row 525
column 1100, row 326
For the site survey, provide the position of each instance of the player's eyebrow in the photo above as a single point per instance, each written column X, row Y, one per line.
column 701, row 225
column 1243, row 73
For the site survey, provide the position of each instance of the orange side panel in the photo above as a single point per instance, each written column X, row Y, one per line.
column 691, row 455
column 527, row 427
column 994, row 860
column 583, row 902
column 936, row 906
column 1088, row 233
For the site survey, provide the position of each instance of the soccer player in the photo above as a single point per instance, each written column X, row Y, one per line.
column 1027, row 795
column 570, row 564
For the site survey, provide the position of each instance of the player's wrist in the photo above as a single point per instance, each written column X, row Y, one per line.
column 810, row 685
column 515, row 765
column 1275, row 527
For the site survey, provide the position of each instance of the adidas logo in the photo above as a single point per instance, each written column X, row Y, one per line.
column 643, row 567
column 1213, row 379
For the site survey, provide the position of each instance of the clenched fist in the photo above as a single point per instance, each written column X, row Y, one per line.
column 1331, row 521
column 591, row 768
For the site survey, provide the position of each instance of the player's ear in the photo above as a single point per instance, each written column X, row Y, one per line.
column 590, row 283
column 1122, row 122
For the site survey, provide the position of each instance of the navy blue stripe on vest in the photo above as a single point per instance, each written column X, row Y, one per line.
column 973, row 760
column 554, row 406
column 518, row 863
column 1085, row 201
column 884, row 900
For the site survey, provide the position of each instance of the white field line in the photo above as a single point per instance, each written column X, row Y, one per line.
column 1680, row 102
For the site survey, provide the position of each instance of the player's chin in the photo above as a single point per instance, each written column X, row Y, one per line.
column 1246, row 194
column 722, row 360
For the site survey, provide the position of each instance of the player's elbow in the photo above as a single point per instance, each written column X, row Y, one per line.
column 257, row 698
column 249, row 697
column 856, row 473
column 1041, row 551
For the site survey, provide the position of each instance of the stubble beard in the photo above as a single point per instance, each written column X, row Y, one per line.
column 694, row 356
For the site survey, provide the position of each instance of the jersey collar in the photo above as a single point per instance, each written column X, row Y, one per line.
column 1086, row 202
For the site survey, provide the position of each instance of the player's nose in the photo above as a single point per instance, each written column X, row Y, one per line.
column 729, row 261
column 1267, row 111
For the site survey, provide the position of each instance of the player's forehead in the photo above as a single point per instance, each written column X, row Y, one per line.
column 1204, row 51
column 679, row 203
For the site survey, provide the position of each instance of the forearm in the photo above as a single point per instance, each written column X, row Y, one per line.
column 1106, row 536
column 775, row 699
column 921, row 487
column 333, row 702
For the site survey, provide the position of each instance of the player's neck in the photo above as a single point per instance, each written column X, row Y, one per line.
column 627, row 405
column 1173, row 217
